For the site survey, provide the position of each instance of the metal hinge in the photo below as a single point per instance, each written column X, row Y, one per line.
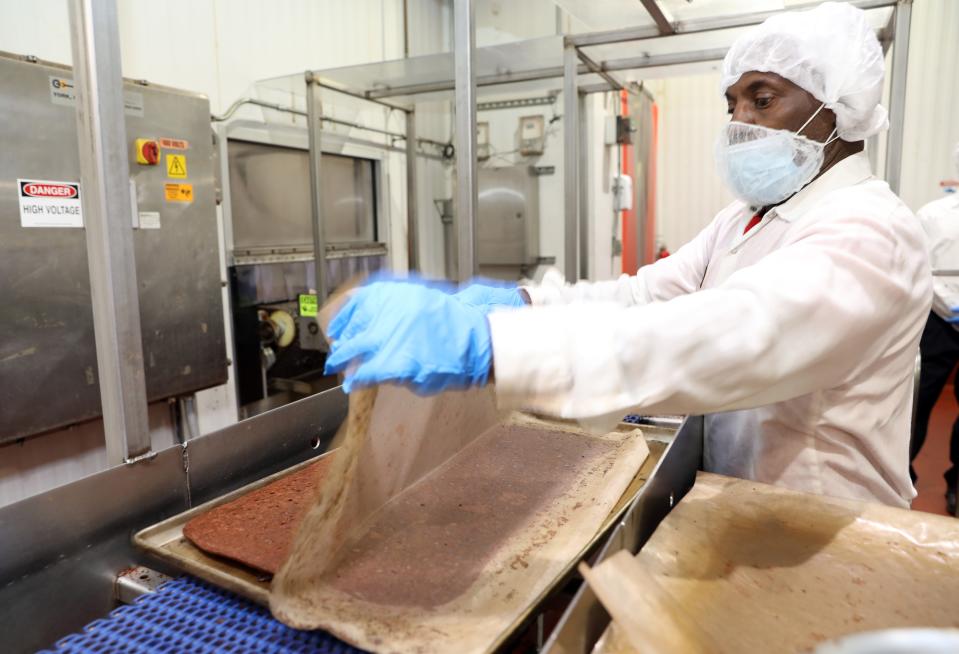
column 136, row 581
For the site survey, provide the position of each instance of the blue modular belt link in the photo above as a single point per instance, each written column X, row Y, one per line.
column 189, row 616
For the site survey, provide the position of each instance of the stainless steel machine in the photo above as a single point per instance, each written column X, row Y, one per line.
column 278, row 350
column 48, row 365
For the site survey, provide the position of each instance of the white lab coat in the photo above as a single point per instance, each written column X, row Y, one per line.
column 940, row 221
column 798, row 338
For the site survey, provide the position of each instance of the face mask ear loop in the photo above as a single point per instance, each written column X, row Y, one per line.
column 814, row 114
column 833, row 136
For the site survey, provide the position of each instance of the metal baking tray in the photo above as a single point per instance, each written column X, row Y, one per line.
column 166, row 541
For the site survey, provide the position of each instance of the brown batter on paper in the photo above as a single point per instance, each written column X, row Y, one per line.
column 373, row 567
column 429, row 546
column 761, row 568
column 258, row 528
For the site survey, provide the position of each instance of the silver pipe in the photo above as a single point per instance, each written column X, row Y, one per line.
column 362, row 96
column 412, row 219
column 897, row 95
column 486, row 80
column 672, row 59
column 232, row 109
column 570, row 164
column 697, row 25
column 107, row 219
column 466, row 187
column 314, row 109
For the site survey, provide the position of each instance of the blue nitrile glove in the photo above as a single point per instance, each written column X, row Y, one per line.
column 488, row 294
column 413, row 333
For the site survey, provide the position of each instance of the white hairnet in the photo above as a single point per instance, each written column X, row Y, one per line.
column 955, row 155
column 830, row 51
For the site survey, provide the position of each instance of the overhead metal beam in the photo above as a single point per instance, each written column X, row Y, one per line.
column 707, row 24
column 599, row 70
column 627, row 63
column 663, row 22
column 486, row 80
column 598, row 87
column 647, row 61
column 466, row 198
column 356, row 94
column 897, row 95
column 108, row 221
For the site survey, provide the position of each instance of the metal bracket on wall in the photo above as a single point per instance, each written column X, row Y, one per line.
column 517, row 103
column 134, row 582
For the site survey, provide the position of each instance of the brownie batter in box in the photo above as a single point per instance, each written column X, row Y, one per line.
column 442, row 519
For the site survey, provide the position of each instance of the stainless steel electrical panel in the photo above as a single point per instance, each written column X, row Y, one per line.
column 48, row 366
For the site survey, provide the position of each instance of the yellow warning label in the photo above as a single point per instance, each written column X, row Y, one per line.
column 178, row 192
column 308, row 306
column 176, row 165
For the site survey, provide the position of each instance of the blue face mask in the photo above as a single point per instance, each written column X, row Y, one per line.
column 764, row 166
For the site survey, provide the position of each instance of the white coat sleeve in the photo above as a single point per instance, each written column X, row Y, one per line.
column 801, row 319
column 940, row 244
column 677, row 274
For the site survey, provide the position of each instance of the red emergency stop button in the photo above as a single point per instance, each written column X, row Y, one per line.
column 148, row 152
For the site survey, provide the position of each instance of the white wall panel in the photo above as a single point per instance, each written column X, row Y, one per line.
column 689, row 192
column 932, row 101
column 601, row 166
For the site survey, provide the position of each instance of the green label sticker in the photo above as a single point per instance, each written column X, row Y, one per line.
column 308, row 306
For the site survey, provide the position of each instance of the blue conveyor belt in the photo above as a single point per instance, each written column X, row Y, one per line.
column 187, row 615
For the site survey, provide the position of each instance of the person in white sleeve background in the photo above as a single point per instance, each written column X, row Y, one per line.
column 792, row 321
column 940, row 339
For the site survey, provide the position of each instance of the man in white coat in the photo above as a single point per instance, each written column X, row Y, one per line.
column 792, row 320
column 940, row 339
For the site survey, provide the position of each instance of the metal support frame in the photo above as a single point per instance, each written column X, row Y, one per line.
column 697, row 25
column 516, row 103
column 314, row 110
column 599, row 70
column 897, row 94
column 570, row 163
column 673, row 59
column 603, row 69
column 369, row 95
column 105, row 197
column 584, row 221
column 466, row 187
column 412, row 234
column 663, row 22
